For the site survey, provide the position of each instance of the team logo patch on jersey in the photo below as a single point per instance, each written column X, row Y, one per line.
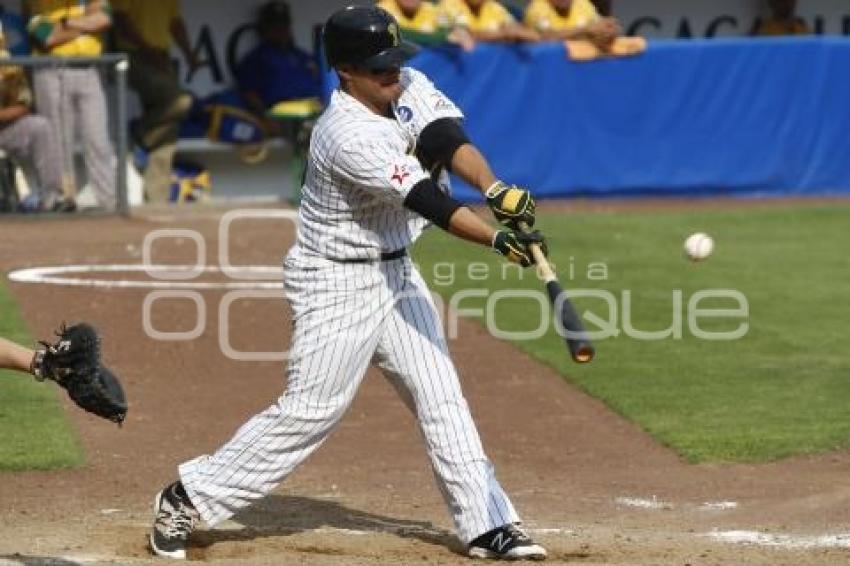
column 441, row 103
column 404, row 113
column 400, row 173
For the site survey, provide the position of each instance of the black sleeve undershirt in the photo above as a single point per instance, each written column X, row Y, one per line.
column 439, row 141
column 427, row 199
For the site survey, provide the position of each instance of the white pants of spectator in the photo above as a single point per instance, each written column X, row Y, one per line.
column 31, row 139
column 72, row 99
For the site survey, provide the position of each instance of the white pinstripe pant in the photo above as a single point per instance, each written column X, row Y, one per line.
column 346, row 316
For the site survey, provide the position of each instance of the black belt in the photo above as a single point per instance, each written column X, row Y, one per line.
column 385, row 256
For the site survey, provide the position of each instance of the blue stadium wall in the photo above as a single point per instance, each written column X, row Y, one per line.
column 703, row 117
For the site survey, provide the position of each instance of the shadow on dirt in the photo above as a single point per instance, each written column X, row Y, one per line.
column 280, row 516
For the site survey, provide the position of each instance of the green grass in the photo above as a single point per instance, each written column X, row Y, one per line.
column 34, row 433
column 782, row 389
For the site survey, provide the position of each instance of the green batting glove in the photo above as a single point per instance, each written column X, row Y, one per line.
column 515, row 245
column 511, row 205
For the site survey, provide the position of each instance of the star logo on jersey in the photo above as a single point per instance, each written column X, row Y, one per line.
column 400, row 173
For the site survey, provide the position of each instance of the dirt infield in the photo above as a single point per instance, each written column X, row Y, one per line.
column 592, row 486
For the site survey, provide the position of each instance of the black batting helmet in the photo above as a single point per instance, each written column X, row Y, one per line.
column 366, row 36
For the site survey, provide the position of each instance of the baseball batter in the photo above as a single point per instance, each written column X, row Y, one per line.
column 375, row 179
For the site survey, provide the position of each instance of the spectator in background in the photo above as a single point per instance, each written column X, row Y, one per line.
column 73, row 96
column 15, row 31
column 783, row 20
column 29, row 137
column 277, row 69
column 486, row 20
column 572, row 19
column 425, row 23
column 145, row 30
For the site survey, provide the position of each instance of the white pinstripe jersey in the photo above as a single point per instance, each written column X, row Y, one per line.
column 361, row 167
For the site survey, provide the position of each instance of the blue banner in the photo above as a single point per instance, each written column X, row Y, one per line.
column 699, row 117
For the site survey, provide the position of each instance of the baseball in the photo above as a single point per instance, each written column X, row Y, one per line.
column 699, row 246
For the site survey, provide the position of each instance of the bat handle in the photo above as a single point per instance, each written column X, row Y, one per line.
column 544, row 269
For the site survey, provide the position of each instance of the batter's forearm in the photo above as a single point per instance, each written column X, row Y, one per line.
column 428, row 200
column 470, row 165
column 465, row 224
column 15, row 357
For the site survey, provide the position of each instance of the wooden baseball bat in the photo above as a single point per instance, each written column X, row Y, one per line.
column 581, row 350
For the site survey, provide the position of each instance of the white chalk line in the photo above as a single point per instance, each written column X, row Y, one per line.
column 755, row 538
column 56, row 275
column 802, row 542
column 656, row 504
column 641, row 503
column 719, row 505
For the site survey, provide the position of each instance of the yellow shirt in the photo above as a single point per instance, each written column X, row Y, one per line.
column 491, row 17
column 428, row 19
column 47, row 13
column 542, row 16
column 151, row 19
column 774, row 27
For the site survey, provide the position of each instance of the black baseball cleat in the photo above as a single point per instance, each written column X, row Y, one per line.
column 508, row 542
column 174, row 521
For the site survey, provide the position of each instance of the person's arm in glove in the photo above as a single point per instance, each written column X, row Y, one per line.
column 72, row 361
column 510, row 204
column 516, row 245
column 444, row 143
column 512, row 244
column 14, row 356
column 427, row 199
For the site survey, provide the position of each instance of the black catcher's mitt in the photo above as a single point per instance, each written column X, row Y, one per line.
column 73, row 361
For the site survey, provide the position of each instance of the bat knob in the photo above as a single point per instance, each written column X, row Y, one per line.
column 584, row 354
